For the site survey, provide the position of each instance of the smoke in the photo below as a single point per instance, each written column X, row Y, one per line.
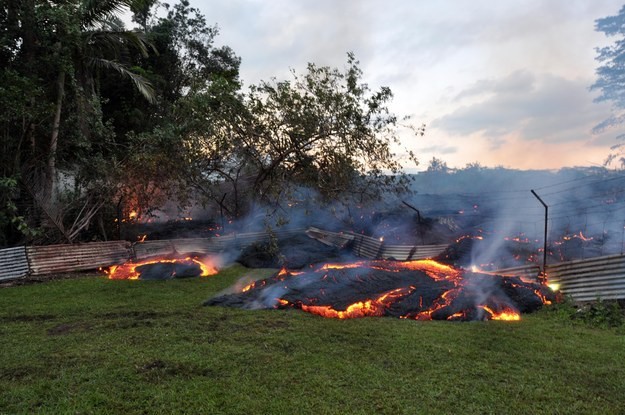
column 586, row 207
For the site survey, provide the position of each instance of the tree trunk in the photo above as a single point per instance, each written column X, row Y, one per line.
column 50, row 185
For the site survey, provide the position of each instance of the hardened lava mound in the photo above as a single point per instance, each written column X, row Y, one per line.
column 421, row 290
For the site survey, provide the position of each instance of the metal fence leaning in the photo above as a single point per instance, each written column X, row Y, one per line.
column 41, row 260
column 372, row 248
column 78, row 257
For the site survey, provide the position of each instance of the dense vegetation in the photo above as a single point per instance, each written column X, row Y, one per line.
column 100, row 123
column 93, row 345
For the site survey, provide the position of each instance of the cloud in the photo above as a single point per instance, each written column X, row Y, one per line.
column 531, row 106
column 439, row 149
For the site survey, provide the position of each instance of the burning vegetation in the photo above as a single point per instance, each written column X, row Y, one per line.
column 420, row 290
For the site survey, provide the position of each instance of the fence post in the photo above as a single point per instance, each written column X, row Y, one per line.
column 546, row 219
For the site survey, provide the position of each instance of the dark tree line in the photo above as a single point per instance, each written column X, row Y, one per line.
column 97, row 119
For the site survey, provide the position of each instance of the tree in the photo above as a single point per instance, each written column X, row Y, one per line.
column 325, row 130
column 51, row 115
column 611, row 77
column 437, row 165
column 611, row 72
column 196, row 83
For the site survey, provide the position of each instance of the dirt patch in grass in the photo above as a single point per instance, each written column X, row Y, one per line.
column 19, row 373
column 158, row 369
column 27, row 318
column 67, row 328
column 137, row 315
column 38, row 279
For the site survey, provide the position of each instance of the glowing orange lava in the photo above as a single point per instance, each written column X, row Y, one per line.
column 452, row 295
column 128, row 270
column 434, row 269
column 507, row 315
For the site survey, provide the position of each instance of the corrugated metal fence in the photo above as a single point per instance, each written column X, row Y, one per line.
column 13, row 263
column 78, row 257
column 41, row 260
column 584, row 280
column 590, row 279
column 373, row 248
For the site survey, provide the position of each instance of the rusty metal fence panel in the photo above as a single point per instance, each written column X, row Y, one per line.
column 590, row 279
column 79, row 257
column 13, row 263
column 151, row 249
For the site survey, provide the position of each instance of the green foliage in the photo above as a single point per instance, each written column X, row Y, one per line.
column 13, row 226
column 324, row 130
column 91, row 345
column 122, row 120
column 599, row 313
column 610, row 81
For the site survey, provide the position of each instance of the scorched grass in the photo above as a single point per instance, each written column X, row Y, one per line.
column 91, row 345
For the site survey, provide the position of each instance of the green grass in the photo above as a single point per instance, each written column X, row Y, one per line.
column 91, row 345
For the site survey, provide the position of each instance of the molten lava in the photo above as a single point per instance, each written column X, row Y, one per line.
column 171, row 268
column 420, row 290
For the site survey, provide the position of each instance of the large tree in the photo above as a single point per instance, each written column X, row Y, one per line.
column 611, row 76
column 325, row 131
column 194, row 79
column 53, row 53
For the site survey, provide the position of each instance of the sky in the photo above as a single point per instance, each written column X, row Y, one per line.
column 502, row 83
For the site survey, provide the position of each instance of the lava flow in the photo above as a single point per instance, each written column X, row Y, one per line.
column 162, row 268
column 421, row 290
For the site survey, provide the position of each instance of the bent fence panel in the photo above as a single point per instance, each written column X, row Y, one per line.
column 372, row 248
column 78, row 257
column 13, row 263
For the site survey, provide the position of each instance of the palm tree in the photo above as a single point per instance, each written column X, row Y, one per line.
column 92, row 40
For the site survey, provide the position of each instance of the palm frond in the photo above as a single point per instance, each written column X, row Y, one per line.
column 94, row 11
column 114, row 41
column 143, row 85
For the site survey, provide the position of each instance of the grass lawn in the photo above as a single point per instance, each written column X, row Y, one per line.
column 91, row 345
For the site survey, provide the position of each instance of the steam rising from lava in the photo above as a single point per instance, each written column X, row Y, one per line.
column 422, row 290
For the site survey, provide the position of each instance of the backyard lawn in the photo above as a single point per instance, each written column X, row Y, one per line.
column 91, row 345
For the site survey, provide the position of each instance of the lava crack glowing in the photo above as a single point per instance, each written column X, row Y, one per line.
column 162, row 268
column 420, row 290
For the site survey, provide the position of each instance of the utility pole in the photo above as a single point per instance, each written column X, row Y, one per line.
column 546, row 219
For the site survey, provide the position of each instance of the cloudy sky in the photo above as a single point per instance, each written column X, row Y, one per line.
column 503, row 83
